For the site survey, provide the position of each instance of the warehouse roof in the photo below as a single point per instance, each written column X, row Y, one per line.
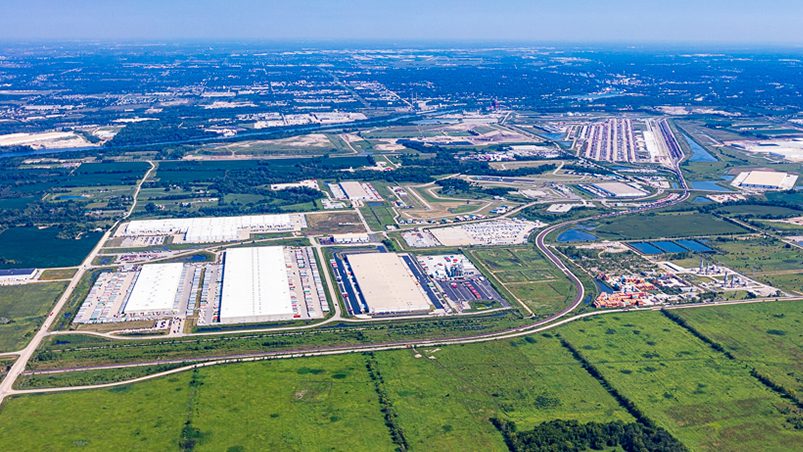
column 255, row 285
column 387, row 283
column 155, row 288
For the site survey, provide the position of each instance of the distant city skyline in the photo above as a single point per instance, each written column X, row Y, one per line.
column 735, row 22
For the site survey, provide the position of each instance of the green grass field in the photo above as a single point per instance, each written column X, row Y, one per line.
column 147, row 416
column 705, row 400
column 767, row 336
column 24, row 307
column 527, row 275
column 664, row 224
column 378, row 217
column 311, row 404
column 444, row 402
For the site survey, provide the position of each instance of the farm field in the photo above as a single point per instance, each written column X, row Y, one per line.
column 665, row 224
column 24, row 307
column 528, row 276
column 767, row 336
column 705, row 400
column 446, row 396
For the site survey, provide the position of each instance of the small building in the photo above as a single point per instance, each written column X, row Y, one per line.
column 16, row 275
column 350, row 238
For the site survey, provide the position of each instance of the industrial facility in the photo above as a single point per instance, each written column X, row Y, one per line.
column 270, row 283
column 355, row 191
column 496, row 232
column 387, row 284
column 214, row 229
column 251, row 285
column 765, row 180
column 614, row 190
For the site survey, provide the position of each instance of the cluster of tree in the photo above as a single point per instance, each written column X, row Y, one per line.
column 386, row 405
column 453, row 187
column 585, row 169
column 562, row 435
column 69, row 217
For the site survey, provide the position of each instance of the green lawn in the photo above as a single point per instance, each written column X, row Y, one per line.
column 24, row 307
column 443, row 398
column 307, row 404
column 705, row 400
column 767, row 336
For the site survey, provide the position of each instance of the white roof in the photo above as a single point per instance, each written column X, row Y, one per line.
column 213, row 229
column 773, row 179
column 355, row 190
column 255, row 284
column 619, row 189
column 155, row 289
column 387, row 283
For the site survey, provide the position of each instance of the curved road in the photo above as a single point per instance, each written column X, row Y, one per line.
column 19, row 366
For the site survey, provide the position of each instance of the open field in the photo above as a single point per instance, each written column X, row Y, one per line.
column 443, row 397
column 767, row 336
column 704, row 399
column 378, row 216
column 136, row 417
column 57, row 273
column 527, row 275
column 25, row 307
column 446, row 396
column 664, row 224
column 315, row 403
column 333, row 223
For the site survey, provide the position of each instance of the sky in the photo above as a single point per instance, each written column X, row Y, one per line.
column 577, row 21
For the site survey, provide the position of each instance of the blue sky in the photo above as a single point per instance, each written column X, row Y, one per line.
column 591, row 21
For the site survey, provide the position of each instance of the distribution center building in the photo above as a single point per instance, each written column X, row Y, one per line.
column 215, row 229
column 155, row 290
column 765, row 180
column 255, row 286
column 387, row 284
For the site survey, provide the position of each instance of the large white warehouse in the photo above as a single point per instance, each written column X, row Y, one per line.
column 215, row 229
column 255, row 286
column 155, row 290
column 388, row 284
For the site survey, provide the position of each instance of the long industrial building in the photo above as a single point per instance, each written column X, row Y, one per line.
column 765, row 180
column 155, row 290
column 387, row 284
column 215, row 229
column 255, row 286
